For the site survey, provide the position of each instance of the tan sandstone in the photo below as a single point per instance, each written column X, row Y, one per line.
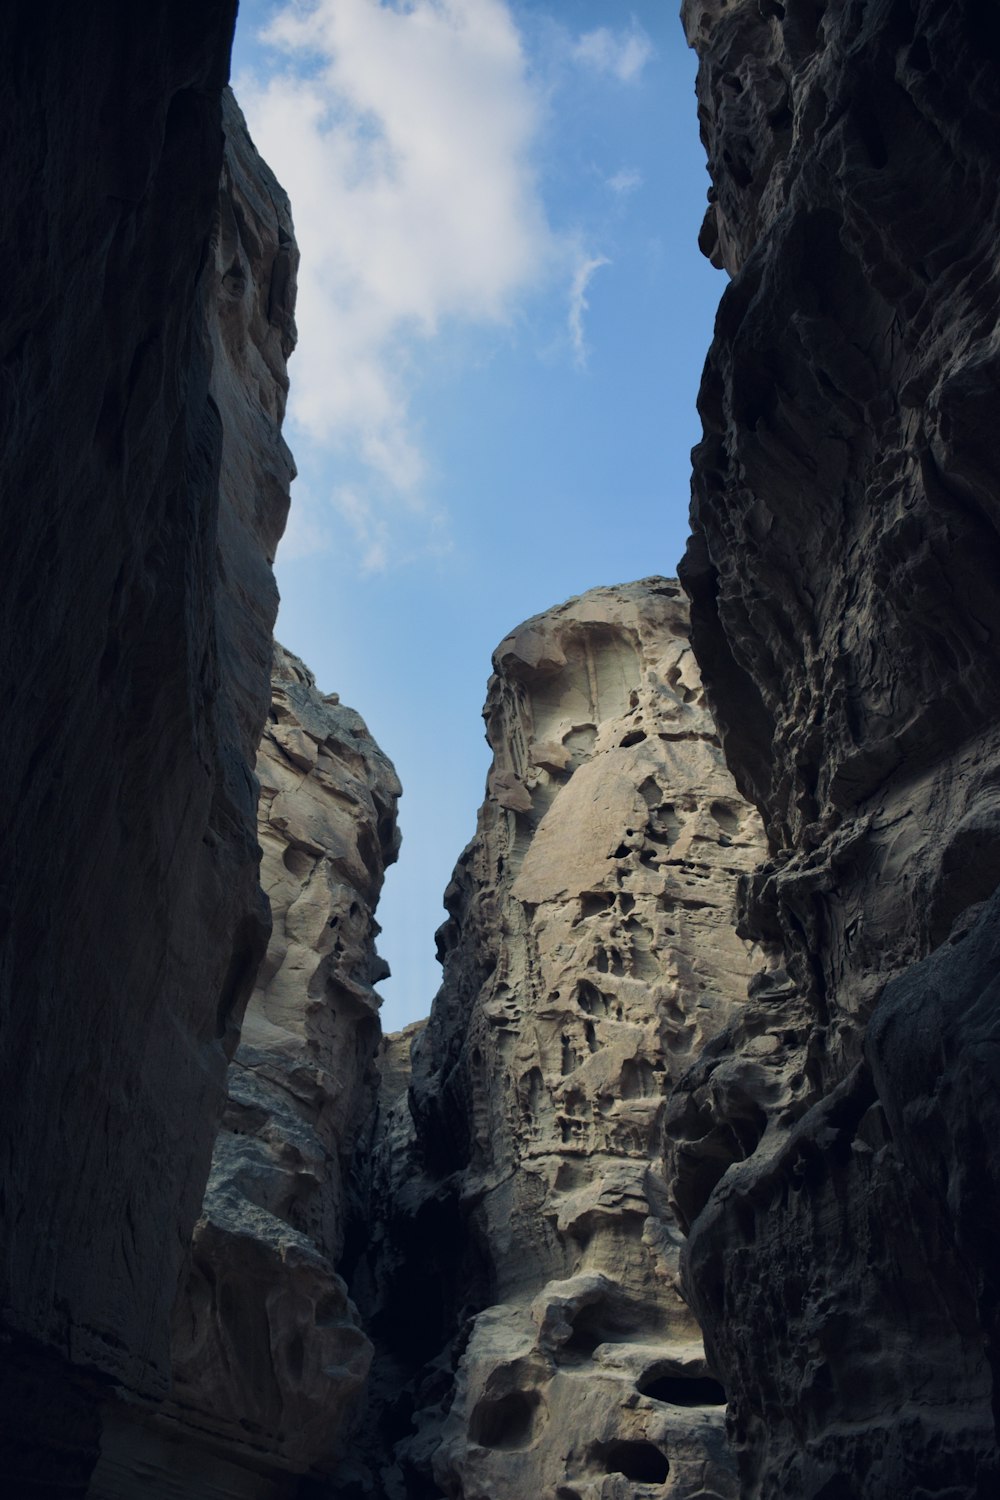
column 590, row 956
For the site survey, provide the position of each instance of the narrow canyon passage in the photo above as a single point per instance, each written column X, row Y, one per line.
column 687, row 1188
column 484, row 1271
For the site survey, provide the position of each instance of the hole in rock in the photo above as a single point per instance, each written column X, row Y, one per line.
column 592, row 903
column 568, row 1177
column 505, row 1421
column 634, row 737
column 593, row 1325
column 643, row 1463
column 580, row 741
column 666, row 823
column 590, row 999
column 650, row 792
column 681, row 1390
column 533, row 1085
column 727, row 819
column 638, row 1081
column 297, row 861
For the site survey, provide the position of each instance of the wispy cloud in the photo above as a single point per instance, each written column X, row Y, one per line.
column 578, row 304
column 308, row 530
column 625, row 180
column 405, row 138
column 620, row 54
column 369, row 529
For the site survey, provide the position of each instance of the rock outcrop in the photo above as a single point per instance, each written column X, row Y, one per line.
column 526, row 1295
column 269, row 1355
column 845, row 611
column 142, row 381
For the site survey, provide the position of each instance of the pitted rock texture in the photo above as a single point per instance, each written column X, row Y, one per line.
column 590, row 955
column 269, row 1354
column 845, row 608
column 146, row 485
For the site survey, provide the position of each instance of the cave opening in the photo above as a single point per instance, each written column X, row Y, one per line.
column 641, row 1462
column 681, row 1390
column 505, row 1422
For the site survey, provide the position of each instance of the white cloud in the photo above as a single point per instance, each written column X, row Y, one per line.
column 307, row 531
column 625, row 180
column 621, row 54
column 404, row 135
column 578, row 304
column 369, row 529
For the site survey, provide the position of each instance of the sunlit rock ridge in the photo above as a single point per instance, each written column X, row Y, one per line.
column 525, row 1283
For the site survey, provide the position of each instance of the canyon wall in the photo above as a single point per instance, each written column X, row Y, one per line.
column 524, row 1286
column 145, row 324
column 269, row 1358
column 845, row 589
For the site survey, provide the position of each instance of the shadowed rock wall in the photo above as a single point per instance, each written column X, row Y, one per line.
column 144, row 327
column 269, row 1354
column 286, row 1374
column 845, row 611
column 527, row 1299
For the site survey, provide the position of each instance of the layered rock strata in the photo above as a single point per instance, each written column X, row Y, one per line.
column 144, row 329
column 590, row 955
column 845, row 609
column 269, row 1355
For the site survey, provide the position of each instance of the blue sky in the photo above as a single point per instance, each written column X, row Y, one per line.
column 503, row 316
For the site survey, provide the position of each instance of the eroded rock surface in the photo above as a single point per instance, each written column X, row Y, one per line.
column 528, row 1302
column 845, row 609
column 145, row 485
column 269, row 1354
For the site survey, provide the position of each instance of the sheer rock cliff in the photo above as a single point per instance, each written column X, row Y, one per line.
column 845, row 612
column 144, row 327
column 525, row 1289
column 268, row 1352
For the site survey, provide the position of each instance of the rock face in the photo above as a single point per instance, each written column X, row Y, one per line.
column 528, row 1299
column 269, row 1356
column 845, row 609
column 142, row 378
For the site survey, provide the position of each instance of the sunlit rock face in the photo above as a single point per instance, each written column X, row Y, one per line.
column 145, row 482
column 527, row 1298
column 269, row 1354
column 845, row 611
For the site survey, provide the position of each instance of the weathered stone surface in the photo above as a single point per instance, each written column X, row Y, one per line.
column 590, row 955
column 145, row 484
column 845, row 608
column 269, row 1355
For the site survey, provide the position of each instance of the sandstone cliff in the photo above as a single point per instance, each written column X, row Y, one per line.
column 526, row 1293
column 144, row 328
column 845, row 610
column 269, row 1355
